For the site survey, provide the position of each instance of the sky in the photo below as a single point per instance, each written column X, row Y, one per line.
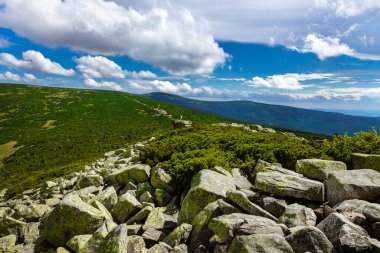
column 316, row 54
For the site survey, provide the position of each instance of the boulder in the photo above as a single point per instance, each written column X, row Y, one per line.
column 241, row 200
column 263, row 166
column 375, row 245
column 371, row 211
column 30, row 232
column 7, row 243
column 274, row 206
column 89, row 180
column 161, row 218
column 263, row 243
column 140, row 216
column 70, row 218
column 226, row 227
column 365, row 161
column 318, row 169
column 115, row 241
column 31, row 213
column 160, row 248
column 240, row 179
column 137, row 173
column 146, row 197
column 353, row 184
column 161, row 180
column 289, row 186
column 9, row 225
column 78, row 242
column 162, row 197
column 62, row 250
column 182, row 248
column 179, row 235
column 336, row 226
column 352, row 242
column 309, row 239
column 126, row 207
column 181, row 123
column 153, row 236
column 135, row 229
column 206, row 187
column 298, row 215
column 94, row 243
column 108, row 197
column 103, row 209
column 221, row 170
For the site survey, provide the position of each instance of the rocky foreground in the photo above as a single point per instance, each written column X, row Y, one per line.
column 120, row 205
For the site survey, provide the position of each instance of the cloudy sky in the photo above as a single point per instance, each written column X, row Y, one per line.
column 321, row 54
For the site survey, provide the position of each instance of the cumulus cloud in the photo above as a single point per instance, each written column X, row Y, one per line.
column 326, row 46
column 34, row 60
column 348, row 8
column 173, row 40
column 10, row 76
column 29, row 77
column 291, row 81
column 102, row 85
column 100, row 67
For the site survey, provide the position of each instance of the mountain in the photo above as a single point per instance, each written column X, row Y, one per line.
column 276, row 115
column 48, row 132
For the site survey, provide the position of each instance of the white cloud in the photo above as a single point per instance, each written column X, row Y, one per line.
column 325, row 47
column 103, row 84
column 170, row 39
column 291, row 81
column 29, row 77
column 100, row 67
column 34, row 60
column 10, row 76
column 348, row 8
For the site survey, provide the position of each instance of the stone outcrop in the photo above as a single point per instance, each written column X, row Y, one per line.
column 120, row 205
column 365, row 161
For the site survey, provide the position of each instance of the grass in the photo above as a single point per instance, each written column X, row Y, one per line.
column 49, row 132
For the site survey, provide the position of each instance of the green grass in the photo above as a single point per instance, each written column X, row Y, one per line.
column 59, row 130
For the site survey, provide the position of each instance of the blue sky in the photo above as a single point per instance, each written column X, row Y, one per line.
column 305, row 53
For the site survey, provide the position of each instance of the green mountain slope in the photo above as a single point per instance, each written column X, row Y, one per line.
column 49, row 132
column 276, row 115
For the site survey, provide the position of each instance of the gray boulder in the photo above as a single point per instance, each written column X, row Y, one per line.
column 7, row 243
column 161, row 180
column 318, row 169
column 115, row 241
column 70, row 218
column 108, row 197
column 336, row 226
column 78, row 242
column 126, row 207
column 263, row 166
column 153, row 236
column 241, row 200
column 206, row 187
column 371, row 211
column 89, row 180
column 365, row 161
column 137, row 173
column 353, row 242
column 161, row 218
column 309, row 239
column 353, row 184
column 179, row 235
column 298, row 215
column 9, row 225
column 140, row 216
column 263, row 243
column 289, row 186
column 274, row 206
column 240, row 179
column 226, row 227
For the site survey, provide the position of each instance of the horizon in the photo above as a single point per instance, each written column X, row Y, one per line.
column 326, row 58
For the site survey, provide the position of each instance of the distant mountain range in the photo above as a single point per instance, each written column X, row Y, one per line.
column 276, row 115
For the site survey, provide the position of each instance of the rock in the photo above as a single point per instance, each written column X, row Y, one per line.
column 263, row 166
column 108, row 197
column 160, row 248
column 181, row 249
column 30, row 232
column 375, row 230
column 146, row 197
column 103, row 209
column 115, row 241
column 181, row 123
column 7, row 243
column 179, row 235
column 375, row 245
column 89, row 180
column 221, row 170
column 356, row 218
column 9, row 225
column 51, row 202
column 274, row 206
column 62, row 250
column 162, row 197
column 138, row 173
column 153, row 236
column 226, row 227
column 126, row 207
column 353, row 242
column 298, row 215
column 370, row 210
column 94, row 243
column 144, row 187
column 70, row 218
column 140, row 216
column 353, row 184
column 309, row 239
column 206, row 187
column 78, row 242
column 161, row 180
column 263, row 243
column 161, row 218
column 289, row 186
column 31, row 213
column 335, row 226
column 365, row 161
column 241, row 200
column 226, row 208
column 135, row 229
column 318, row 169
column 240, row 179
column 200, row 249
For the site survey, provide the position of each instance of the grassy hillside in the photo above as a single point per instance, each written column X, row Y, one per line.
column 277, row 116
column 49, row 132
